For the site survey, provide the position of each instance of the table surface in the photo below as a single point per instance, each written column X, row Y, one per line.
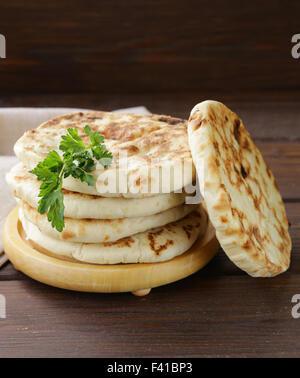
column 219, row 311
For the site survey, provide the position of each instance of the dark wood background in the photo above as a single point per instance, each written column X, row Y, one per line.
column 153, row 46
column 167, row 55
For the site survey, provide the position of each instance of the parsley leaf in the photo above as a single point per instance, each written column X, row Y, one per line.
column 48, row 167
column 98, row 147
column 71, row 142
column 78, row 161
column 52, row 203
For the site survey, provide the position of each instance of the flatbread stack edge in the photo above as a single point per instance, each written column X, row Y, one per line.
column 25, row 186
column 122, row 226
column 240, row 192
column 104, row 230
column 155, row 245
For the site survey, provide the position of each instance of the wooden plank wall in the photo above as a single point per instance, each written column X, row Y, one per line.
column 134, row 46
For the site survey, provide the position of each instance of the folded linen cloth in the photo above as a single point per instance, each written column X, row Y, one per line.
column 13, row 123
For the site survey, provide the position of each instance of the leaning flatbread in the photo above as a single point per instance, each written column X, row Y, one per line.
column 103, row 230
column 155, row 245
column 77, row 205
column 151, row 152
column 242, row 199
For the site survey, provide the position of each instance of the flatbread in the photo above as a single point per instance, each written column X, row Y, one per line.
column 158, row 156
column 103, row 230
column 77, row 205
column 155, row 245
column 242, row 198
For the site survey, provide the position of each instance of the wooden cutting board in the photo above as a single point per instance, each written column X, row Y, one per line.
column 136, row 278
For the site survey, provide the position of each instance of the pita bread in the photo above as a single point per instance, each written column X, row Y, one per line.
column 103, row 230
column 242, row 199
column 155, row 245
column 159, row 158
column 77, row 205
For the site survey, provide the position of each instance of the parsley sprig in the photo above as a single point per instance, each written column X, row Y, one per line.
column 78, row 161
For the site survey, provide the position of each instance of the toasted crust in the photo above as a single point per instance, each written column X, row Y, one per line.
column 240, row 192
column 152, row 142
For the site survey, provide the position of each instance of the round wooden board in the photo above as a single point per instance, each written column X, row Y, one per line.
column 102, row 278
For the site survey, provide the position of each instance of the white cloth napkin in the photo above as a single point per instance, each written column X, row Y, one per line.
column 13, row 123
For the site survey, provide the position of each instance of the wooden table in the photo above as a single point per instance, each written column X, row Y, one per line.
column 219, row 311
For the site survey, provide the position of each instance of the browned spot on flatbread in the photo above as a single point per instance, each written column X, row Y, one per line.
column 67, row 235
column 247, row 244
column 243, row 171
column 246, row 145
column 70, row 117
column 114, row 131
column 53, row 122
column 125, row 242
column 133, row 149
column 216, row 146
column 269, row 172
column 212, row 114
column 256, row 202
column 224, row 219
column 94, row 117
column 236, row 130
column 157, row 249
column 240, row 215
column 281, row 247
column 67, row 192
column 199, row 124
column 222, row 204
column 257, row 234
column 169, row 228
column 20, row 178
column 189, row 228
column 170, row 120
column 130, row 149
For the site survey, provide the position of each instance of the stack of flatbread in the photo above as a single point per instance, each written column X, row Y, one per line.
column 136, row 212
